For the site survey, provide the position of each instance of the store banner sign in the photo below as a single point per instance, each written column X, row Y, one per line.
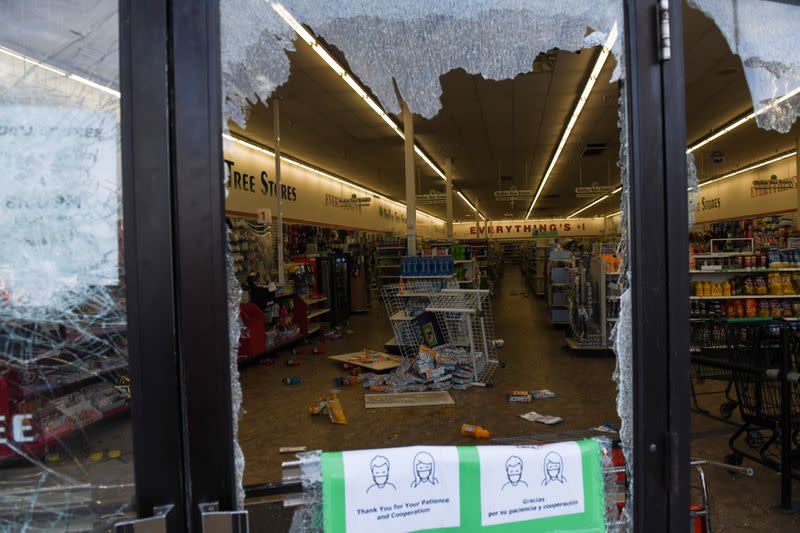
column 61, row 210
column 510, row 195
column 521, row 229
column 557, row 487
column 594, row 190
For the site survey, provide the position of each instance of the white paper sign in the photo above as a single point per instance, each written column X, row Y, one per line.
column 396, row 490
column 60, row 201
column 530, row 482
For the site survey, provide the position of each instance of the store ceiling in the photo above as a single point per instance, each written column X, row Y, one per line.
column 503, row 133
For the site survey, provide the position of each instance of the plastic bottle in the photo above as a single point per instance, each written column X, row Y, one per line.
column 726, row 288
column 291, row 380
column 471, row 430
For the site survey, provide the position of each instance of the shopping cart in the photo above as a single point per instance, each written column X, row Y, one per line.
column 708, row 342
column 760, row 357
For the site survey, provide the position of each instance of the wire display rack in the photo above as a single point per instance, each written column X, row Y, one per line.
column 463, row 317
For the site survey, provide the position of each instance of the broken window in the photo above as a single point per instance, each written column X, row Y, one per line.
column 65, row 443
column 515, row 96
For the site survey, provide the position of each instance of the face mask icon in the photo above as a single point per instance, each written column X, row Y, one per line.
column 553, row 469
column 379, row 466
column 424, row 470
column 514, row 473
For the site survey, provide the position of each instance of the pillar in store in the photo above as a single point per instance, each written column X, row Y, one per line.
column 797, row 178
column 448, row 192
column 279, row 211
column 411, row 191
column 477, row 217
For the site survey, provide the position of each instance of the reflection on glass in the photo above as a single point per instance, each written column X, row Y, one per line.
column 65, row 443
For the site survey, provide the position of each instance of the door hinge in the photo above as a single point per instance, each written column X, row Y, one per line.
column 152, row 524
column 662, row 30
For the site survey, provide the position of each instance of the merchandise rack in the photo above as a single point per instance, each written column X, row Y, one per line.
column 387, row 260
column 463, row 316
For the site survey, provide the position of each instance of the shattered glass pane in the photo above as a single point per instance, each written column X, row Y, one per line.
column 771, row 64
column 402, row 50
column 65, row 445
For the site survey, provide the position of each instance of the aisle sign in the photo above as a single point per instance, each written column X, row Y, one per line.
column 509, row 195
column 354, row 201
column 595, row 190
column 556, row 487
column 431, row 198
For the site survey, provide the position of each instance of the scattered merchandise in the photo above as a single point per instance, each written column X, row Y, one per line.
column 335, row 410
column 407, row 399
column 348, row 380
column 369, row 359
column 519, row 396
column 317, row 351
column 331, row 406
column 543, row 394
column 291, row 380
column 533, row 416
column 440, row 369
column 333, row 334
column 606, row 428
column 292, row 362
column 471, row 430
column 292, row 449
column 499, row 343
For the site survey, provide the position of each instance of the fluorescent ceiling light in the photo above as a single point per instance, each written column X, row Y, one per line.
column 58, row 71
column 304, row 34
column 584, row 208
column 587, row 90
column 732, row 126
column 322, row 173
column 290, row 160
column 750, row 167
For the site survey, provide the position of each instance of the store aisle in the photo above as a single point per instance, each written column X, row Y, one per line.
column 276, row 414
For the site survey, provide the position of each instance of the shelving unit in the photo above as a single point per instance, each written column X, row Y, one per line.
column 69, row 376
column 719, row 267
column 558, row 264
column 387, row 260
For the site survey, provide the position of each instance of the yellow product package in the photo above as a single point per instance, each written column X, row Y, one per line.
column 320, row 407
column 335, row 410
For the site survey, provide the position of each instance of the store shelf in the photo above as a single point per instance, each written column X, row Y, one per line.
column 466, row 281
column 575, row 345
column 386, row 276
column 428, row 277
column 278, row 345
column 745, row 297
column 57, row 382
column 723, row 254
column 318, row 312
column 312, row 301
column 744, row 271
column 313, row 328
column 389, row 266
column 459, row 261
column 390, row 248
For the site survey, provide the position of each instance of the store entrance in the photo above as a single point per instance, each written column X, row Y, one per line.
column 426, row 277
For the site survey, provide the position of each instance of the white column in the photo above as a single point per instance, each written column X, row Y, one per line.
column 477, row 218
column 448, row 192
column 411, row 189
column 278, row 193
